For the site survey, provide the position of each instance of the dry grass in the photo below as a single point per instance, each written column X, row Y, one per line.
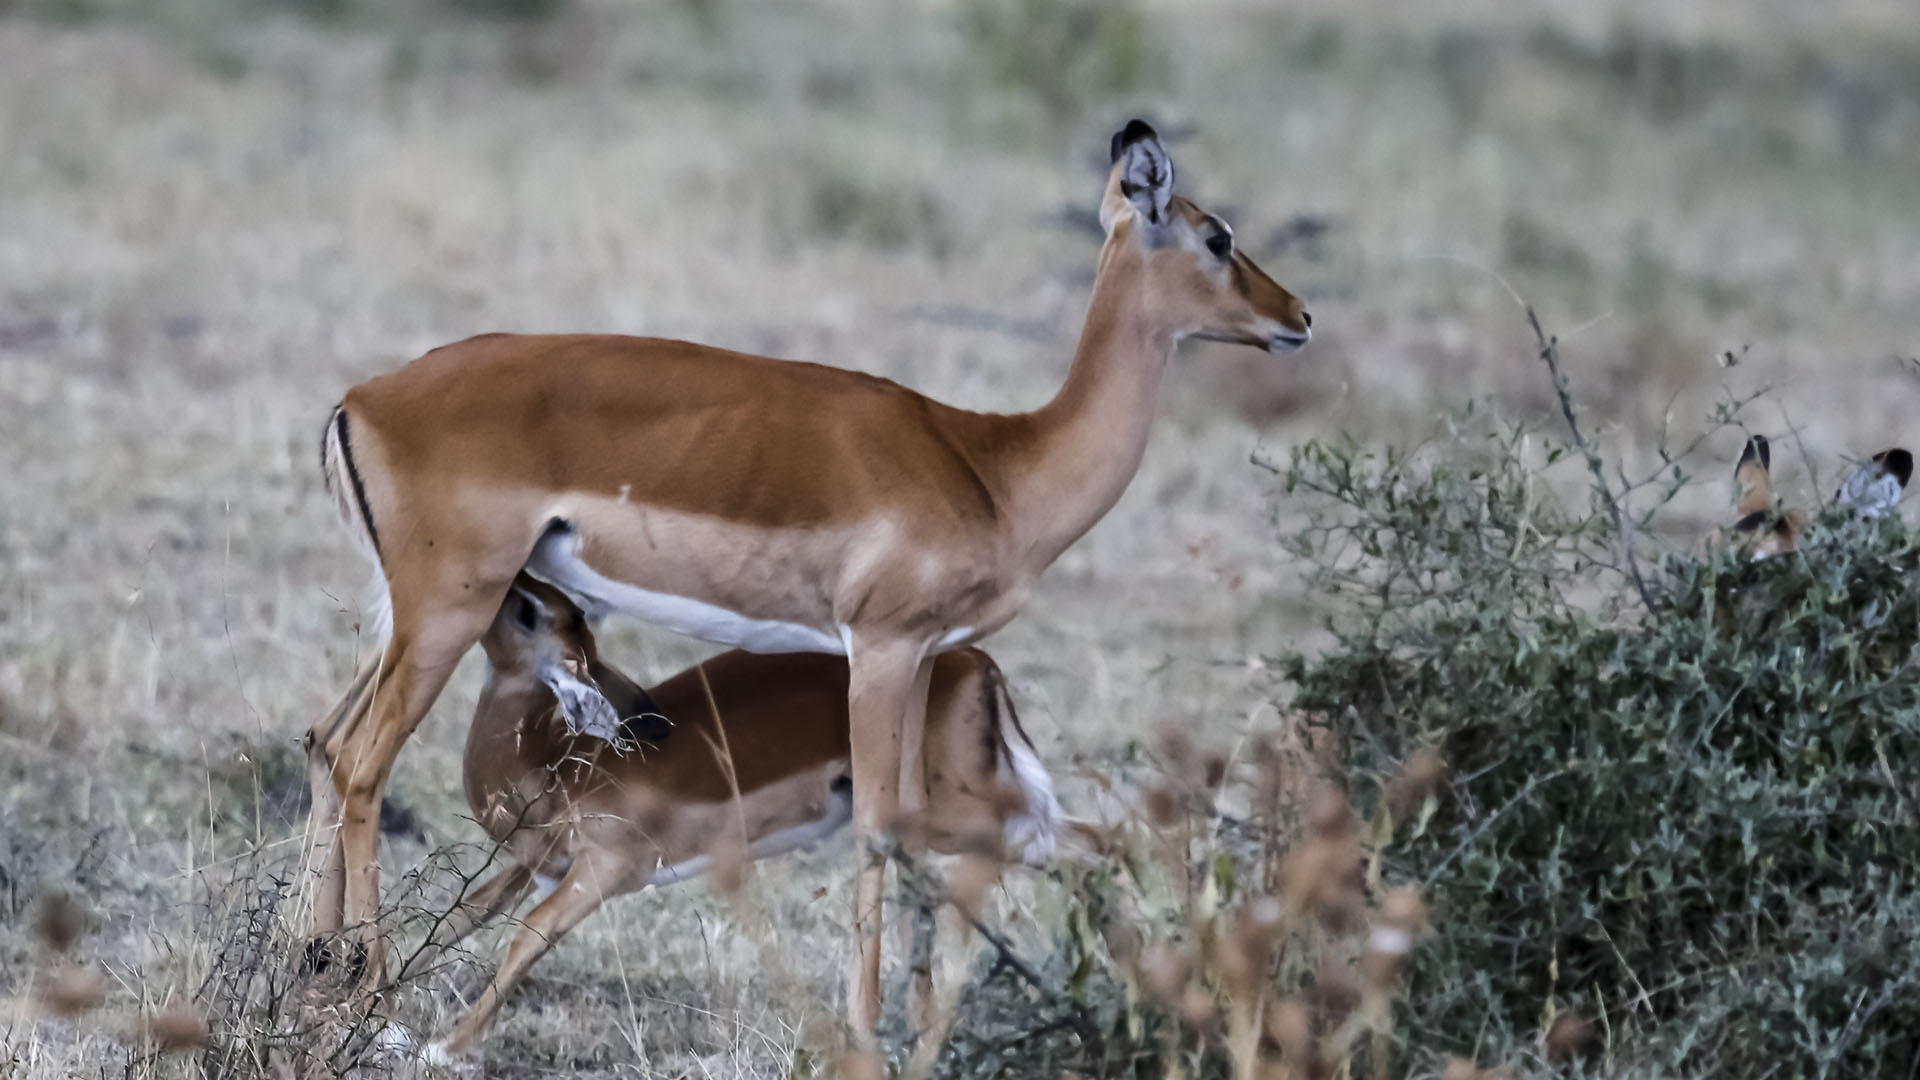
column 212, row 224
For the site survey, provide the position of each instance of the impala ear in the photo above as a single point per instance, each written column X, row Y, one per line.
column 1754, row 485
column 1898, row 463
column 1142, row 176
column 584, row 708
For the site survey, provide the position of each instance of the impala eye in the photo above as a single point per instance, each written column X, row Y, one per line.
column 1221, row 244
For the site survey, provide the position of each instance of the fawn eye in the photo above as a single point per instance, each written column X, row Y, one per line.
column 1221, row 244
column 525, row 613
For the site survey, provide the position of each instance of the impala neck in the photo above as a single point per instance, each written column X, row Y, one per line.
column 1088, row 441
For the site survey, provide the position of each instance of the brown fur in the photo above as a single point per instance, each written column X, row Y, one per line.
column 777, row 490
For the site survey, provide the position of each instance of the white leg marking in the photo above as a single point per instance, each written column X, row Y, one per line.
column 543, row 887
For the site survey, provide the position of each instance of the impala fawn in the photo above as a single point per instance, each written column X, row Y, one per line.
column 766, row 754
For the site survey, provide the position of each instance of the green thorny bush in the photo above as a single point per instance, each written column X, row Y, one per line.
column 1681, row 799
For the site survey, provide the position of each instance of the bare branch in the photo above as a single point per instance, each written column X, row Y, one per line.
column 1550, row 355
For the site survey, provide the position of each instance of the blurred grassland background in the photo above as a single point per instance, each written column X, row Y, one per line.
column 216, row 217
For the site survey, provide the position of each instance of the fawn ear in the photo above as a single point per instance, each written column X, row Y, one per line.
column 1141, row 182
column 640, row 716
column 584, row 708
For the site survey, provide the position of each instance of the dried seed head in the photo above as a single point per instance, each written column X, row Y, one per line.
column 1245, row 949
column 1213, row 770
column 1271, row 765
column 1290, row 1024
column 1403, row 908
column 176, row 1029
column 1342, row 897
column 1196, row 1007
column 1422, row 773
column 60, row 921
column 1303, row 871
column 1164, row 968
column 1567, row 1037
column 73, row 992
column 1163, row 807
column 728, row 858
column 968, row 883
column 1419, row 778
column 1122, row 938
column 1380, row 969
column 1325, row 876
column 859, row 1065
column 1336, row 987
column 1403, row 917
column 1176, row 746
column 1328, row 814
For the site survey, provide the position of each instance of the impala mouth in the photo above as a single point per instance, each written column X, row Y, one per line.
column 1287, row 341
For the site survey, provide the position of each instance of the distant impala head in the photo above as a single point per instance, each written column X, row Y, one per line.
column 1206, row 286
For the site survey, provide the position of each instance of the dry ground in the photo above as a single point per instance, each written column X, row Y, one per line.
column 213, row 222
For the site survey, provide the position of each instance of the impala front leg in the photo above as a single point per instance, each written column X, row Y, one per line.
column 887, row 697
column 592, row 878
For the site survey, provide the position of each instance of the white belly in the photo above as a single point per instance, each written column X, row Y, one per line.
column 554, row 561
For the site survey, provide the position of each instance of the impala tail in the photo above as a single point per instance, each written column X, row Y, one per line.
column 350, row 500
column 1033, row 828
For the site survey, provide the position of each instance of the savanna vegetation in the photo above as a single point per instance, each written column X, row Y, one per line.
column 1425, row 732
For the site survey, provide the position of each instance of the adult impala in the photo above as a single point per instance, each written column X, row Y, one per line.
column 762, row 762
column 763, row 504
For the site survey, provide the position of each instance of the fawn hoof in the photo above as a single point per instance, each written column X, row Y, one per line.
column 322, row 954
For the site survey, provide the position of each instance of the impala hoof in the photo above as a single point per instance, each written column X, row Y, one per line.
column 321, row 954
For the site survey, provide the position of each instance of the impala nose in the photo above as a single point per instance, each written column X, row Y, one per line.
column 1307, row 319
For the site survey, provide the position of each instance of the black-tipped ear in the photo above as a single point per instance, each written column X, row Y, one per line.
column 1898, row 463
column 1135, row 130
column 1756, row 450
column 1144, row 171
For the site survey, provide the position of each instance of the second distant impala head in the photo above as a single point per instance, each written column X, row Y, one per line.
column 1209, row 286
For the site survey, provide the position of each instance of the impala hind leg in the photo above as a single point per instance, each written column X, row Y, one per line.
column 324, row 872
column 420, row 657
column 587, row 884
column 887, row 697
